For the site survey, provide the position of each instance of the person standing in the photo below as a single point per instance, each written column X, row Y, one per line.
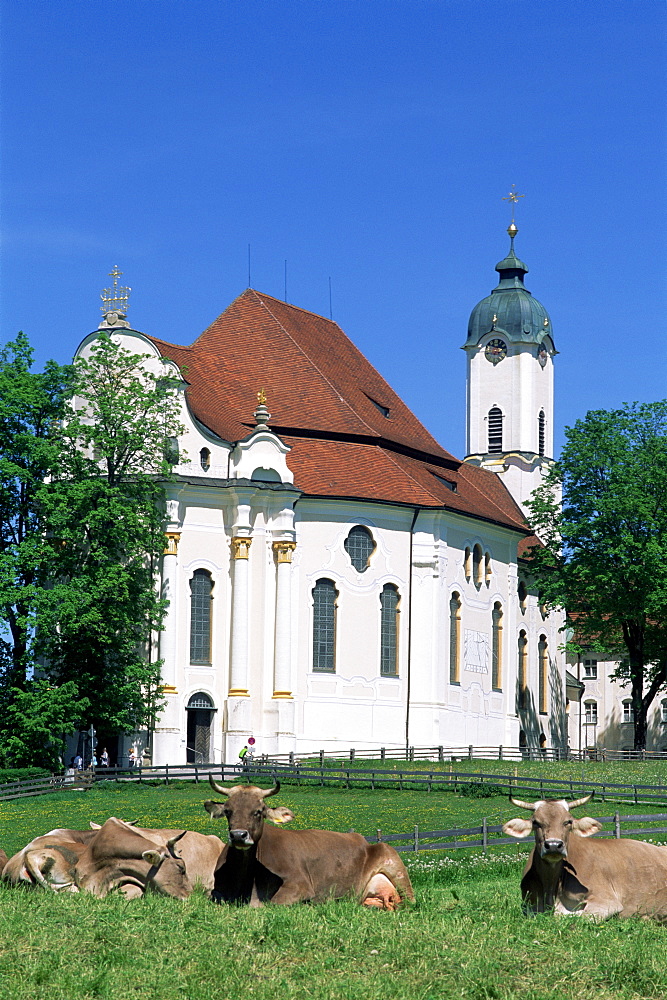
column 104, row 758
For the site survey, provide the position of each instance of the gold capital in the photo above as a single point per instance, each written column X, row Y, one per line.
column 168, row 689
column 238, row 693
column 282, row 694
column 172, row 539
column 283, row 551
column 241, row 547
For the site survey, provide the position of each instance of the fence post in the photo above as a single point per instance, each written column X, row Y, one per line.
column 383, row 753
column 321, row 758
column 166, row 774
column 291, row 758
column 352, row 753
column 441, row 755
column 411, row 753
column 617, row 825
column 196, row 775
column 470, row 752
column 485, row 836
column 416, row 839
column 500, row 752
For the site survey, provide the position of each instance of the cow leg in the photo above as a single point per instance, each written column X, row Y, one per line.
column 383, row 865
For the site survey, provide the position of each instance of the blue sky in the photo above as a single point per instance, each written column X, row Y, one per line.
column 366, row 142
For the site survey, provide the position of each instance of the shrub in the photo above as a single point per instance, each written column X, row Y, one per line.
column 22, row 774
column 481, row 790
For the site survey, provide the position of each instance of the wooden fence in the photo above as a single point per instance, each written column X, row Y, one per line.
column 477, row 785
column 486, row 835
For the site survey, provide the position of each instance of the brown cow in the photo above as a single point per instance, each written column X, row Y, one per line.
column 48, row 860
column 574, row 876
column 264, row 863
column 119, row 857
column 200, row 851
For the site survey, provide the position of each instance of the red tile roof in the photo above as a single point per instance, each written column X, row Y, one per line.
column 328, row 404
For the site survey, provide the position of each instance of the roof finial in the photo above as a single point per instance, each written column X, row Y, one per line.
column 513, row 198
column 115, row 301
column 261, row 414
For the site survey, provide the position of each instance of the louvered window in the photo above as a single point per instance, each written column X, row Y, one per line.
column 495, row 430
column 201, row 596
column 389, row 601
column 543, row 656
column 359, row 546
column 541, row 432
column 324, row 626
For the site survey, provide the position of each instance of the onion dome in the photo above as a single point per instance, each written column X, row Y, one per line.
column 510, row 309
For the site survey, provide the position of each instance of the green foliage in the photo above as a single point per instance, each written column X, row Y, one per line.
column 8, row 774
column 37, row 719
column 480, row 790
column 605, row 549
column 99, row 613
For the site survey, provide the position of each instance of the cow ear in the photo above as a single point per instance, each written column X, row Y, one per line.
column 95, row 826
column 518, row 828
column 216, row 809
column 587, row 826
column 281, row 814
column 153, row 857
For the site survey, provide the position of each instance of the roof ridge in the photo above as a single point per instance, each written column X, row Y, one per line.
column 312, row 362
column 291, row 305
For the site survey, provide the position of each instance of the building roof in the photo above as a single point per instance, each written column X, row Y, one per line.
column 350, row 434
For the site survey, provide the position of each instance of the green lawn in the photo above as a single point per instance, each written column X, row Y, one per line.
column 464, row 938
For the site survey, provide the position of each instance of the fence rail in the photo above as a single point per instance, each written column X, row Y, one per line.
column 444, row 754
column 332, row 774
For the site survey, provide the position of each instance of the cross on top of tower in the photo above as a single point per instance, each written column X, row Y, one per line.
column 513, row 199
column 115, row 299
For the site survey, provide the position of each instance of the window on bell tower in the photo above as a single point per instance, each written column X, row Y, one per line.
column 495, row 421
column 541, row 433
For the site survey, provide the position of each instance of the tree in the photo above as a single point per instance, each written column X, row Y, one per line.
column 604, row 554
column 105, row 513
column 31, row 407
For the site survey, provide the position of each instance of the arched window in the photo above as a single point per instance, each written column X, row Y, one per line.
column 543, row 660
column 477, row 572
column 389, row 612
column 359, row 546
column 324, row 626
column 497, row 647
column 628, row 714
column 522, row 673
column 541, row 432
column 522, row 594
column 495, row 428
column 487, row 568
column 201, row 596
column 591, row 712
column 663, row 710
column 467, row 563
column 455, row 638
column 205, row 459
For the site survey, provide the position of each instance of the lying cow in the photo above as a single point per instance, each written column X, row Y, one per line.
column 264, row 863
column 113, row 856
column 200, row 852
column 598, row 879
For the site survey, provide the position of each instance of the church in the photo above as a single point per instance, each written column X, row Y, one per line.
column 336, row 578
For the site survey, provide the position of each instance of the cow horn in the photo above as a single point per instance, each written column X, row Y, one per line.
column 579, row 802
column 271, row 791
column 524, row 805
column 220, row 789
column 174, row 840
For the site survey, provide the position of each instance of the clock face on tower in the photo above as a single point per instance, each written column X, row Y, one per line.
column 495, row 350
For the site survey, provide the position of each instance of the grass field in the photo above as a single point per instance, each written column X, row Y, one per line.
column 464, row 938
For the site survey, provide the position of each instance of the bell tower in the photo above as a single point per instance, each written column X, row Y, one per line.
column 510, row 380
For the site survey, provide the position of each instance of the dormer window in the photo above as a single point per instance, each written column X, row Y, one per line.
column 384, row 410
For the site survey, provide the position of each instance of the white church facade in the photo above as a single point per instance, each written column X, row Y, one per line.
column 335, row 577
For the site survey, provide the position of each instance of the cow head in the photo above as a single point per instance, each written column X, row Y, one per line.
column 245, row 809
column 552, row 823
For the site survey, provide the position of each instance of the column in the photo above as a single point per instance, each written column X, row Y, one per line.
column 282, row 664
column 238, row 682
column 168, row 633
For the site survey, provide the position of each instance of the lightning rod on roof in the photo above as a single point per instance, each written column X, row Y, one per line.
column 285, row 281
column 330, row 310
column 249, row 284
